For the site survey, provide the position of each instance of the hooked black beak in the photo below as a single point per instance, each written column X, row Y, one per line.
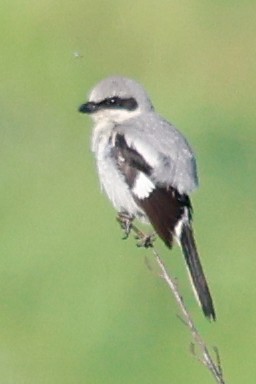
column 89, row 107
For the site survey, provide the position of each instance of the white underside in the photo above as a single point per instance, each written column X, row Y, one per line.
column 112, row 181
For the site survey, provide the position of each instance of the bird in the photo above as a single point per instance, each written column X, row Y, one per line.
column 147, row 169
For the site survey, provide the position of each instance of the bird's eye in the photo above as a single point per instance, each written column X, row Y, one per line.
column 115, row 102
column 111, row 101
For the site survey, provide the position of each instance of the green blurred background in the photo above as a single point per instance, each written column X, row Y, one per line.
column 78, row 304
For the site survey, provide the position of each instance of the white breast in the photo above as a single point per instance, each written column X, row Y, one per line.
column 112, row 181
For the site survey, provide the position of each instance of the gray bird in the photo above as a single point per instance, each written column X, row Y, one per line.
column 147, row 169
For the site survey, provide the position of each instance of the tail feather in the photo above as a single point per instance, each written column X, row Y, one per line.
column 170, row 214
column 196, row 271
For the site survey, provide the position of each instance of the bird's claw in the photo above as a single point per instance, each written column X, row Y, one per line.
column 145, row 241
column 125, row 222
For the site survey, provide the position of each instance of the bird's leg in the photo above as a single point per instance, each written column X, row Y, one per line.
column 125, row 220
column 144, row 240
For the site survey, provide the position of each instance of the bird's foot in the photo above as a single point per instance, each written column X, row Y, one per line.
column 144, row 240
column 125, row 221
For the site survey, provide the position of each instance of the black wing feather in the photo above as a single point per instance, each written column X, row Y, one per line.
column 165, row 207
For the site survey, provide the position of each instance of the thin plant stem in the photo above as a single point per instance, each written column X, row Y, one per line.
column 204, row 356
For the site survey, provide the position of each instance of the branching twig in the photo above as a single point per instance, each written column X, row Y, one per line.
column 205, row 356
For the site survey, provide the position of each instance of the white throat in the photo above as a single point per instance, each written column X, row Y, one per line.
column 114, row 116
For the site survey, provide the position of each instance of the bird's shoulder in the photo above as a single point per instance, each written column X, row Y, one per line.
column 160, row 147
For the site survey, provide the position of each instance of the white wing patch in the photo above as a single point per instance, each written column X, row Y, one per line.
column 143, row 186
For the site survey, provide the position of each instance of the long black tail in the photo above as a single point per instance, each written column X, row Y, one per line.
column 196, row 271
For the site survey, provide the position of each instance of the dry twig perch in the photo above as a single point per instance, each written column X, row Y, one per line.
column 203, row 355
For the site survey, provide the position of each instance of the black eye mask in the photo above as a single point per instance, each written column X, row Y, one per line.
column 129, row 104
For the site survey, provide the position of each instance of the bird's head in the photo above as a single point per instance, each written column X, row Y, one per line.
column 116, row 99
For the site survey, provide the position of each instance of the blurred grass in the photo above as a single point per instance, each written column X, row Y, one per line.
column 76, row 303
